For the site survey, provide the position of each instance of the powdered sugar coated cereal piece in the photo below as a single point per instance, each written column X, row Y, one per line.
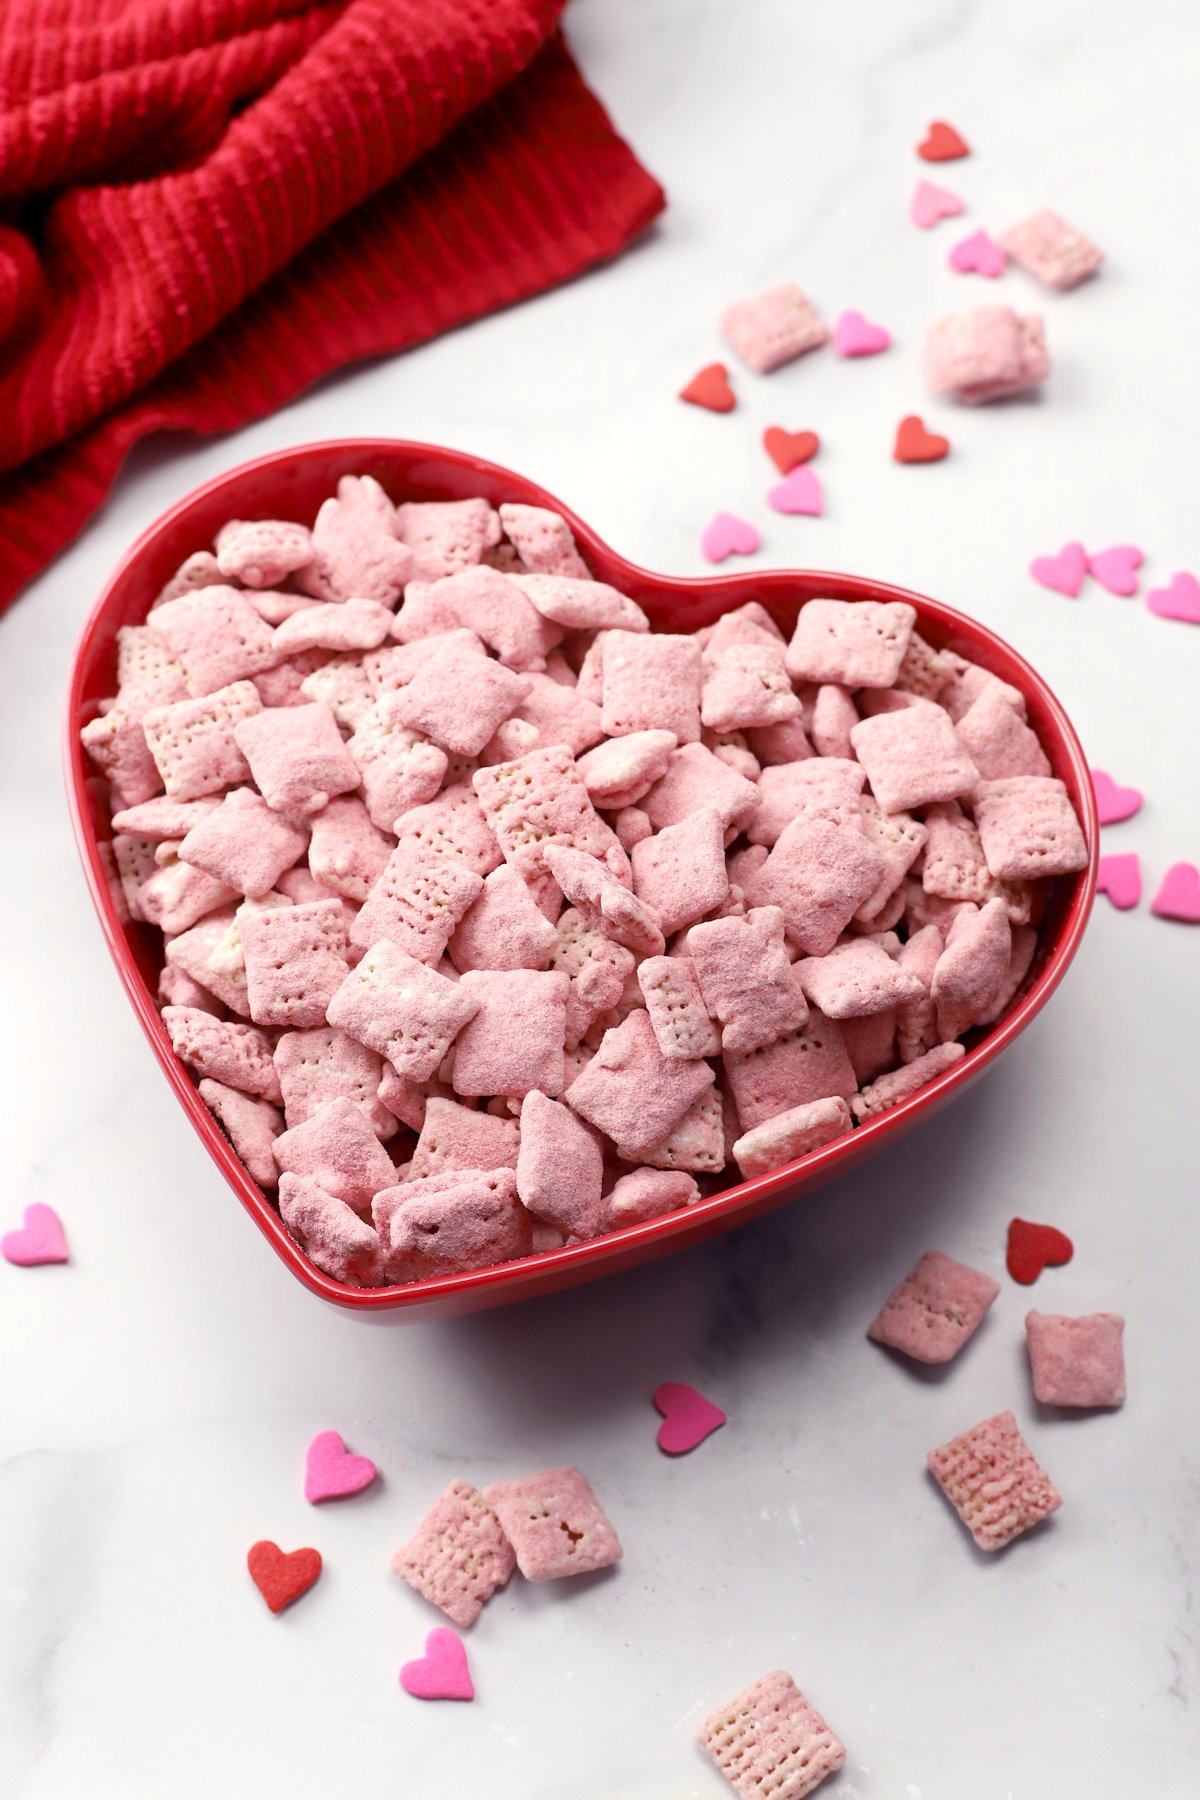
column 238, row 1056
column 504, row 928
column 967, row 681
column 680, row 873
column 901, row 840
column 244, row 843
column 262, row 552
column 398, row 769
column 806, row 1065
column 543, row 540
column 283, row 685
column 581, row 605
column 454, row 1138
column 746, row 685
column 356, row 546
column 633, row 1093
column 161, row 817
column 913, row 757
column 199, row 570
column 250, row 1125
column 554, row 1523
column 458, row 1556
column 818, row 874
column 1076, row 1361
column 1029, row 829
column 147, row 673
column 329, row 1232
column 696, row 1144
column 336, row 625
column 295, row 962
column 560, row 715
column 823, row 787
column 834, row 715
column 453, row 825
column 935, row 1309
column 971, row 969
column 985, row 354
column 769, row 1740
column 771, row 328
column 446, row 536
column 603, row 901
column 177, row 895
column 623, row 769
column 746, row 624
column 446, row 1224
column 514, row 1040
column 482, row 601
column 347, row 853
column 176, row 988
column 954, row 867
column 416, row 902
column 675, row 1007
column 540, row 799
column 998, row 740
column 1024, row 946
column 790, row 1135
column 560, row 1167
column 916, row 1019
column 401, row 1009
column 924, row 670
column 745, row 978
column 117, row 744
column 853, row 643
column 647, row 1194
column 275, row 607
column 993, row 1482
column 651, row 682
column 296, row 756
column 323, row 1064
column 1050, row 249
column 856, row 979
column 596, row 967
column 457, row 697
column 408, row 1100
column 344, row 687
column 889, row 1090
column 338, row 1150
column 632, row 826
column 217, row 636
column 695, row 778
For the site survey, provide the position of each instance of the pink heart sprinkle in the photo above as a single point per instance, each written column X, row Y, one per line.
column 1114, row 803
column 331, row 1472
column 799, row 492
column 1064, row 572
column 1120, row 877
column 931, row 203
column 727, row 535
column 855, row 336
column 978, row 255
column 688, row 1418
column 1181, row 600
column 442, row 1673
column 1116, row 568
column 1179, row 895
column 40, row 1240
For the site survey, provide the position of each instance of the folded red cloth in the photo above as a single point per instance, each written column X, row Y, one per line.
column 211, row 203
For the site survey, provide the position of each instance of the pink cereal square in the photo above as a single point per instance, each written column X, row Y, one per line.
column 453, row 825
column 967, row 681
column 747, row 624
column 675, row 1007
column 337, row 1148
column 745, row 978
column 194, row 742
column 934, row 1310
column 560, row 1167
column 297, row 757
column 1028, row 829
column 446, row 1224
column 822, row 787
column 343, row 685
column 998, row 740
column 1076, row 1361
column 540, row 799
column 808, row 1064
column 954, row 866
column 398, row 769
column 147, row 674
column 116, row 743
column 695, row 1145
column 237, row 1056
column 201, row 569
column 993, row 1482
column 543, row 540
column 972, row 968
column 261, row 553
column 596, row 967
column 900, row 1084
column 295, row 962
column 855, row 979
column 559, row 714
column 250, row 1125
column 503, row 928
column 330, row 1233
column 770, row 1741
column 651, row 681
column 244, row 844
column 191, row 953
column 620, row 771
column 985, row 354
column 338, row 627
column 322, row 1064
column 771, row 328
column 446, row 536
column 924, row 670
column 458, row 1556
column 1024, row 947
column 217, row 635
column 853, row 643
column 176, row 895
column 454, row 1138
column 913, row 757
column 347, row 853
column 834, row 714
column 416, row 902
column 486, row 603
column 746, row 685
column 554, row 1523
column 283, row 685
column 695, row 778
column 356, row 548
column 402, row 1010
column 680, row 873
column 603, row 901
column 457, row 698
column 581, row 605
column 819, row 874
column 1051, row 250
column 514, row 1041
column 631, row 1091
column 647, row 1194
column 916, row 1019
column 901, row 839
column 176, row 988
column 791, row 1135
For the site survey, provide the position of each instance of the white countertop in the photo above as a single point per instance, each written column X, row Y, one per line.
column 159, row 1391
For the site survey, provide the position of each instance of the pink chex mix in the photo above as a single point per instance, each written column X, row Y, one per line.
column 444, row 840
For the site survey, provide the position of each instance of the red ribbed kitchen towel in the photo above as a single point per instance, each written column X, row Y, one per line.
column 205, row 205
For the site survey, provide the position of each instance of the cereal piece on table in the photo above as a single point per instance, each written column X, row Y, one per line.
column 985, row 354
column 401, row 1009
column 631, row 1091
column 398, row 769
column 296, row 756
column 347, row 853
column 504, row 928
column 1024, row 946
column 1029, row 829
column 447, row 1224
column 790, row 1135
column 955, row 867
column 176, row 988
column 261, row 553
column 819, row 874
column 560, row 1167
column 889, row 1090
column 176, row 896
column 834, row 715
column 596, row 967
column 651, row 682
column 769, row 1740
column 972, row 968
column 806, row 1065
column 581, row 605
column 295, row 960
column 238, row 1056
column 117, row 744
column 856, row 979
column 916, row 1019
column 343, row 685
column 1050, row 249
column 695, row 1144
column 540, row 799
column 993, row 1482
column 746, row 685
column 244, row 843
column 330, row 1233
column 680, row 873
column 457, row 697
column 771, row 328
column 935, row 1309
column 998, row 740
column 454, row 1138
column 250, row 1125
column 337, row 626
column 597, row 894
column 199, row 570
column 458, row 1556
column 446, row 536
column 161, row 817
column 217, row 636
column 323, row 1064
column 853, row 643
column 823, row 787
column 417, row 902
column 745, row 978
column 559, row 714
column 337, row 1148
column 514, row 1040
column 695, row 778
column 675, row 1006
column 913, row 757
column 1076, row 1361
column 356, row 546
column 621, row 770
column 554, row 1523
column 543, row 540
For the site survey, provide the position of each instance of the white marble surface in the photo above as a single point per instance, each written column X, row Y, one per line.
column 158, row 1393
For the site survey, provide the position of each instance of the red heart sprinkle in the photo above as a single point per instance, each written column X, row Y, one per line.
column 1032, row 1248
column 916, row 445
column 710, row 388
column 788, row 449
column 942, row 144
column 281, row 1576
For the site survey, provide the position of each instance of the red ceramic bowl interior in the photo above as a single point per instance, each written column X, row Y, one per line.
column 291, row 484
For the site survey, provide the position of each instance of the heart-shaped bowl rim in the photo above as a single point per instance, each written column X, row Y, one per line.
column 291, row 484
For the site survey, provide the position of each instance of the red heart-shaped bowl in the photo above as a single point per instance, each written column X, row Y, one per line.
column 291, row 484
